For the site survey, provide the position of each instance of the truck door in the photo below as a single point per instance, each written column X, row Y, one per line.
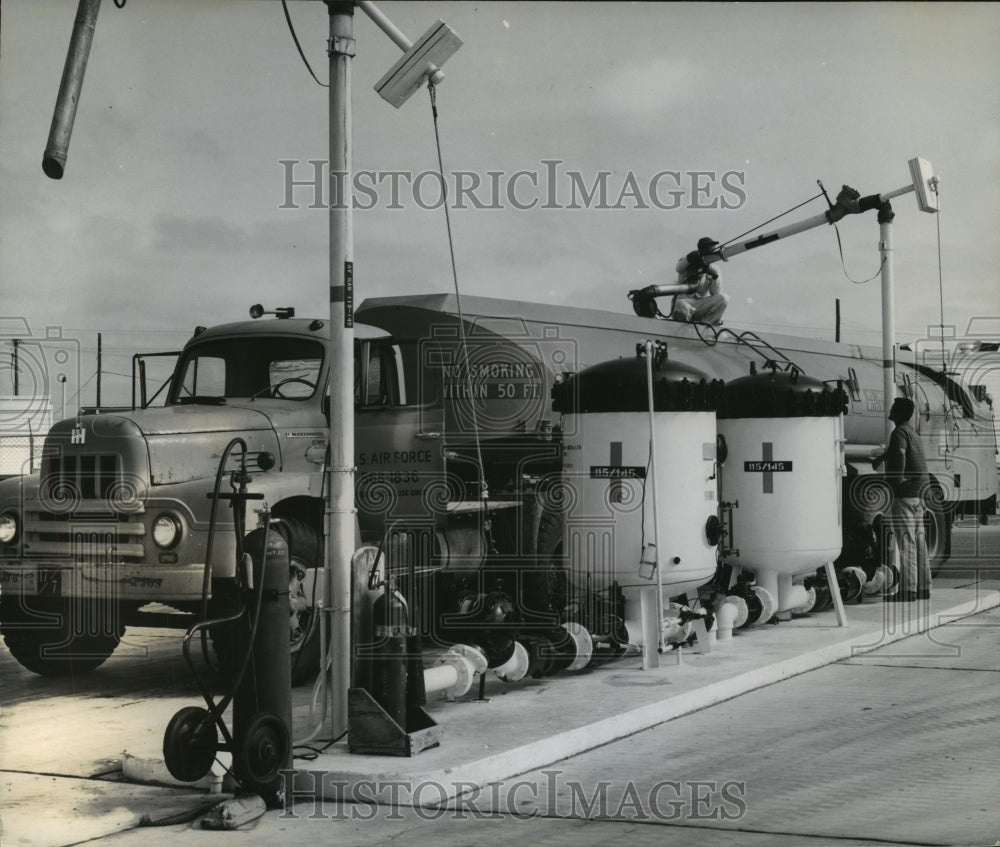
column 398, row 443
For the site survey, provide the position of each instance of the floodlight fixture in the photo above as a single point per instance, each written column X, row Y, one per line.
column 423, row 59
column 924, row 183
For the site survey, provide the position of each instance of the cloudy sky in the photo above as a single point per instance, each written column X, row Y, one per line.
column 170, row 213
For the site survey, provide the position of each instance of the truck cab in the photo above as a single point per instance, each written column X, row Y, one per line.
column 120, row 517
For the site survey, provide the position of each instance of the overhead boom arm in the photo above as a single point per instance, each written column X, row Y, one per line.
column 848, row 202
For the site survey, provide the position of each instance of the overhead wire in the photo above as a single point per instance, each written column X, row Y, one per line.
column 295, row 38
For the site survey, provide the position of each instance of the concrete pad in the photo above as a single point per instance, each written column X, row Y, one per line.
column 535, row 723
column 53, row 811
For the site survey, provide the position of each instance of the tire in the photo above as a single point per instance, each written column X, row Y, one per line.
column 937, row 531
column 550, row 563
column 39, row 635
column 938, row 516
column 305, row 551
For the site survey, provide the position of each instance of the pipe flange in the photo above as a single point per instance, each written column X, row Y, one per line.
column 583, row 643
column 474, row 655
column 742, row 610
column 855, row 579
column 516, row 667
column 806, row 607
column 464, row 672
column 768, row 603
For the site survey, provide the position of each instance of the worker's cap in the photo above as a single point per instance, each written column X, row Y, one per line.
column 901, row 407
column 707, row 245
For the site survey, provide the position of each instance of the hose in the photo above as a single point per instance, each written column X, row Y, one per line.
column 207, row 575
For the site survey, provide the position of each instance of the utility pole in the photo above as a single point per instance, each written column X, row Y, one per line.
column 98, row 370
column 15, row 365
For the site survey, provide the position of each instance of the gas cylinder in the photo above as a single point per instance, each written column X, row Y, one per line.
column 262, row 705
column 395, row 669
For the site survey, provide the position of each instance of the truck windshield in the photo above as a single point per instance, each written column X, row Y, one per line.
column 258, row 367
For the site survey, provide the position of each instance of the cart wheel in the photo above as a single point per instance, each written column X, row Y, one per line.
column 262, row 753
column 190, row 743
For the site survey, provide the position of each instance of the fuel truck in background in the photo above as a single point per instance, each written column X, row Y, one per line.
column 468, row 474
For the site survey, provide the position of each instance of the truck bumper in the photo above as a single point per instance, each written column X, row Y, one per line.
column 103, row 582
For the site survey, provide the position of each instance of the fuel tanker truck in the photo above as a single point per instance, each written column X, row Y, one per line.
column 494, row 465
column 530, row 473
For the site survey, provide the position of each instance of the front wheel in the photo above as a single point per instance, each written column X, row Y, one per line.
column 48, row 639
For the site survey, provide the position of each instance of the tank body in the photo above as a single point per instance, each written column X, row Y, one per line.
column 614, row 533
column 784, row 440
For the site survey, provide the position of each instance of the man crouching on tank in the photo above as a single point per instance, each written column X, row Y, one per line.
column 906, row 473
column 705, row 303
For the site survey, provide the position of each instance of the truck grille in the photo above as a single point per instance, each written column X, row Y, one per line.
column 90, row 511
column 83, row 477
column 90, row 534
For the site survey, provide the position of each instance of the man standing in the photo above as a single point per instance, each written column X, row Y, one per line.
column 906, row 473
column 706, row 302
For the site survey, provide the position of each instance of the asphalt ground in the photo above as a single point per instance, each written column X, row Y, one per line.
column 895, row 746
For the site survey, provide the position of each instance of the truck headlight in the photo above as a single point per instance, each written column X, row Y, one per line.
column 166, row 531
column 8, row 528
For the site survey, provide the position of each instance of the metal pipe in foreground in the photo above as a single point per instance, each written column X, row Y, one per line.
column 54, row 160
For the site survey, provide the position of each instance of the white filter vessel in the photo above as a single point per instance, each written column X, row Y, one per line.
column 610, row 525
column 786, row 473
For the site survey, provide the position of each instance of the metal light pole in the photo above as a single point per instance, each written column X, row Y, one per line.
column 924, row 184
column 420, row 61
column 340, row 508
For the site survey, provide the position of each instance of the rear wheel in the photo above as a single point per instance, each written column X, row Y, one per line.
column 47, row 638
column 938, row 515
column 551, row 584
